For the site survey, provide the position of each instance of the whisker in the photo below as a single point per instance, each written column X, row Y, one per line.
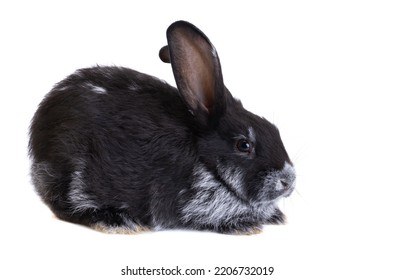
column 300, row 152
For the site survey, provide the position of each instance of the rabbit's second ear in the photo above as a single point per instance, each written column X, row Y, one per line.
column 164, row 54
column 196, row 69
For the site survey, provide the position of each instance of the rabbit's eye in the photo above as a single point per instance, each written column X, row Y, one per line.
column 243, row 146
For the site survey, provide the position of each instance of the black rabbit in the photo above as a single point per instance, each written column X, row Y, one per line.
column 122, row 151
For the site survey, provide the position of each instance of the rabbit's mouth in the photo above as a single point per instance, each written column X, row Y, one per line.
column 279, row 183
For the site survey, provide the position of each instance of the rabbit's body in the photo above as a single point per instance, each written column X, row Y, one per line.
column 96, row 143
column 119, row 150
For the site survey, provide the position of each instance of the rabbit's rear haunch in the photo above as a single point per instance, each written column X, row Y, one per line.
column 121, row 151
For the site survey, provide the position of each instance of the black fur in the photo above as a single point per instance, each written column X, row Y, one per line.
column 116, row 147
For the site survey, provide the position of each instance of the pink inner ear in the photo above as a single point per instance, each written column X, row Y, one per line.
column 194, row 63
column 201, row 77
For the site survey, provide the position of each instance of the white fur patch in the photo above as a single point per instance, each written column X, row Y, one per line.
column 233, row 177
column 215, row 205
column 212, row 204
column 128, row 222
column 77, row 193
column 251, row 135
column 62, row 88
column 96, row 89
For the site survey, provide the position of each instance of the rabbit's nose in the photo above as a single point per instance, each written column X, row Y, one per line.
column 285, row 184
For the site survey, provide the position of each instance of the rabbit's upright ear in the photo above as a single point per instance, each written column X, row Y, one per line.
column 196, row 69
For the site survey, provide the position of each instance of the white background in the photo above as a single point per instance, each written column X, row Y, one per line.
column 323, row 71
